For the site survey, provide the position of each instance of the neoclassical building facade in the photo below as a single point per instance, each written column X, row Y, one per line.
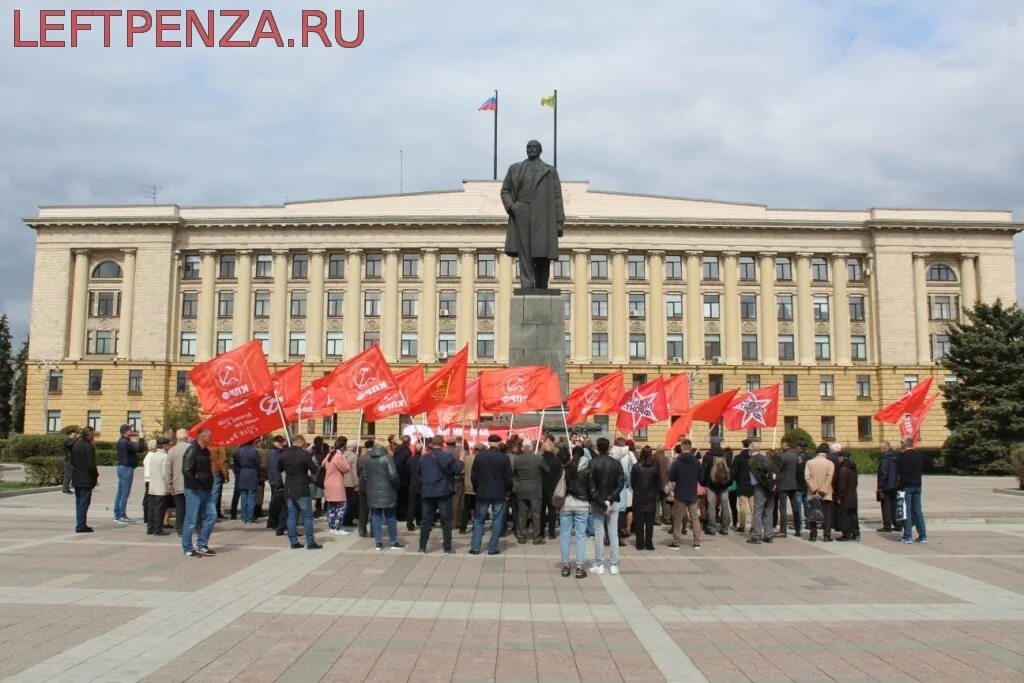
column 844, row 309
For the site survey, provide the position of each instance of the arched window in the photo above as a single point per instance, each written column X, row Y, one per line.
column 107, row 270
column 940, row 272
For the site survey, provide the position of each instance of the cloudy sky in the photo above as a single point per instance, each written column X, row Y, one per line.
column 834, row 104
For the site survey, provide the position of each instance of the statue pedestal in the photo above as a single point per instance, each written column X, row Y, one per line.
column 537, row 331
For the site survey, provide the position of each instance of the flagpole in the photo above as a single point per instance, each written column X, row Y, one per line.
column 565, row 423
column 556, row 128
column 543, row 412
column 775, row 431
column 495, row 134
column 359, row 429
column 511, row 421
column 284, row 423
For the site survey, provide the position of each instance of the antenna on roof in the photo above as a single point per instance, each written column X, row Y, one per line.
column 150, row 192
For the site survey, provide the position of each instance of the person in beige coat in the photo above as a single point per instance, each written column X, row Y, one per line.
column 818, row 472
column 161, row 482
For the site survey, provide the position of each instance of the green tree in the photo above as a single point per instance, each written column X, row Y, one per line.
column 797, row 435
column 20, row 387
column 6, row 377
column 184, row 413
column 985, row 408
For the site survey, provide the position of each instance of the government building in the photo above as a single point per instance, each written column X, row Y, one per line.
column 846, row 309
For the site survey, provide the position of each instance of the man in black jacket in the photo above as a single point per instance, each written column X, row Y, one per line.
column 789, row 464
column 84, row 477
column 888, row 486
column 401, row 458
column 492, row 481
column 438, row 470
column 717, row 479
column 606, row 482
column 297, row 465
column 910, row 465
column 765, row 476
column 549, row 513
column 198, row 475
column 414, row 504
column 69, row 443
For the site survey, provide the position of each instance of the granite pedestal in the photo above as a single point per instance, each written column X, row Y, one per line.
column 537, row 331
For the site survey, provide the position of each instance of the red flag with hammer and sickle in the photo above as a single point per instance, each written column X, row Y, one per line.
column 232, row 377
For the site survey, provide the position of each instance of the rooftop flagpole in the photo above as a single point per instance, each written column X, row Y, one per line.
column 495, row 134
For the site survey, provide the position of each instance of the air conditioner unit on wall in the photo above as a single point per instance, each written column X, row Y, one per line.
column 441, row 355
column 445, row 312
column 716, row 360
column 676, row 360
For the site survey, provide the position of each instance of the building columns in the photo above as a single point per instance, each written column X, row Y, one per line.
column 618, row 313
column 243, row 297
column 924, row 352
column 840, row 312
column 315, row 308
column 389, row 314
column 79, row 305
column 124, row 333
column 658, row 343
column 206, row 341
column 768, row 313
column 279, row 308
column 694, row 319
column 580, row 307
column 503, row 313
column 968, row 282
column 804, row 313
column 467, row 302
column 353, row 301
column 730, row 309
column 428, row 312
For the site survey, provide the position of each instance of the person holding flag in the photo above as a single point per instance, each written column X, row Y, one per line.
column 911, row 464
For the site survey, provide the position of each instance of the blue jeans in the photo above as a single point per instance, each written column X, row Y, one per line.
column 378, row 516
column 598, row 513
column 497, row 523
column 294, row 506
column 801, row 500
column 440, row 507
column 915, row 514
column 194, row 501
column 248, row 500
column 125, row 475
column 83, row 497
column 574, row 521
column 218, row 484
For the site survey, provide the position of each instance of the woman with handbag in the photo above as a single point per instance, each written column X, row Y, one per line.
column 335, row 466
column 572, row 496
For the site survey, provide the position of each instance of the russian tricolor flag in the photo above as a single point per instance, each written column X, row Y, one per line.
column 491, row 104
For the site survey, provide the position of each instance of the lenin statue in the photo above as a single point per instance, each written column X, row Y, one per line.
column 532, row 196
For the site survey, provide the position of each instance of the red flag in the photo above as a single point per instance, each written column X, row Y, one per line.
column 754, row 409
column 397, row 400
column 908, row 403
column 641, row 406
column 679, row 429
column 461, row 413
column 315, row 401
column 288, row 385
column 445, row 387
column 248, row 420
column 232, row 377
column 677, row 393
column 599, row 397
column 361, row 380
column 911, row 423
column 709, row 410
column 519, row 390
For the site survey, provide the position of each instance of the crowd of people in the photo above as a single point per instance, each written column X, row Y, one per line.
column 585, row 489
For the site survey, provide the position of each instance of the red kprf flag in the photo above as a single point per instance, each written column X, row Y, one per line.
column 641, row 406
column 908, row 403
column 232, row 377
column 315, row 401
column 361, row 380
column 446, row 387
column 600, row 397
column 288, row 385
column 754, row 409
column 911, row 423
column 460, row 413
column 246, row 421
column 519, row 390
column 397, row 400
column 677, row 393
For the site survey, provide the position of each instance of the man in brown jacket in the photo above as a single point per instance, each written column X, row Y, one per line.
column 818, row 473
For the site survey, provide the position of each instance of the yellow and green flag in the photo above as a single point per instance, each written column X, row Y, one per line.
column 548, row 100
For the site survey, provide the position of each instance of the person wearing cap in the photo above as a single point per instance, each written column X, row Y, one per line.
column 127, row 461
column 492, row 481
column 161, row 482
column 438, row 469
column 69, row 443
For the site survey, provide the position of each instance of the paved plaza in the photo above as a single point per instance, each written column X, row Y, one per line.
column 117, row 605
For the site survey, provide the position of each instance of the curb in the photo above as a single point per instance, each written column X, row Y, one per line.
column 24, row 492
column 1009, row 492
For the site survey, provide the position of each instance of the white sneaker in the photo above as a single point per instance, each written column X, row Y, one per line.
column 332, row 532
column 598, row 570
column 342, row 532
column 615, row 570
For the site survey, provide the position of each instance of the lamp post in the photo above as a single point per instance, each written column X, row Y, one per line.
column 47, row 365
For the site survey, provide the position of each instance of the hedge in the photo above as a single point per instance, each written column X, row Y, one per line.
column 21, row 447
column 3, row 450
column 107, row 457
column 41, row 470
column 867, row 459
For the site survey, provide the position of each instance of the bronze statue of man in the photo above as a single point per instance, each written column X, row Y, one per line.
column 532, row 196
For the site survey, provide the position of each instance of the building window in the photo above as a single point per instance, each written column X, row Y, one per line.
column 790, row 386
column 487, row 266
column 819, row 270
column 790, row 422
column 95, row 380
column 567, row 344
column 187, row 344
column 864, row 428
column 748, row 347
column 909, row 382
column 566, row 305
column 637, row 305
column 636, row 267
column 602, row 422
column 637, row 346
column 712, row 310
column 826, row 386
column 370, row 339
column 335, row 347
column 190, row 268
column 108, row 270
column 675, row 347
column 409, row 346
column 828, row 428
column 264, row 265
column 753, row 382
column 135, row 381
column 599, row 267
column 940, row 272
column 102, row 342
column 942, row 307
column 859, row 347
column 189, row 304
column 854, row 270
column 820, row 305
column 484, row 345
column 712, row 347
column 562, row 268
column 374, row 266
column 335, row 303
column 748, row 268
column 298, row 304
column 446, row 345
column 710, row 268
column 410, row 265
column 863, row 386
column 264, row 339
column 226, row 267
column 822, row 347
column 784, row 306
column 599, row 345
column 225, row 304
column 53, row 421
column 787, row 348
column 371, row 303
column 639, row 378
column 446, row 302
column 134, row 420
column 940, row 346
column 105, row 304
column 297, row 344
column 336, row 266
column 448, row 265
column 94, row 419
column 674, row 305
column 716, row 384
column 485, row 304
column 857, row 308
column 748, row 307
column 599, row 305
column 224, row 341
column 300, row 266
column 261, row 304
column 673, row 267
column 55, row 381
column 783, row 269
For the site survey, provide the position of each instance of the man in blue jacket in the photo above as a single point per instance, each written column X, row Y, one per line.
column 492, row 481
column 438, row 469
column 127, row 461
column 887, row 487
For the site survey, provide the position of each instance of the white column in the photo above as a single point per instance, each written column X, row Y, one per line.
column 315, row 308
column 279, row 308
column 206, row 341
column 428, row 308
column 731, row 308
column 243, row 297
column 804, row 314
column 503, row 312
column 467, row 302
column 768, row 313
column 840, row 311
column 658, row 343
column 580, row 307
column 924, row 352
column 124, row 333
column 968, row 282
column 353, row 301
column 389, row 318
column 694, row 308
column 618, row 313
column 79, row 304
